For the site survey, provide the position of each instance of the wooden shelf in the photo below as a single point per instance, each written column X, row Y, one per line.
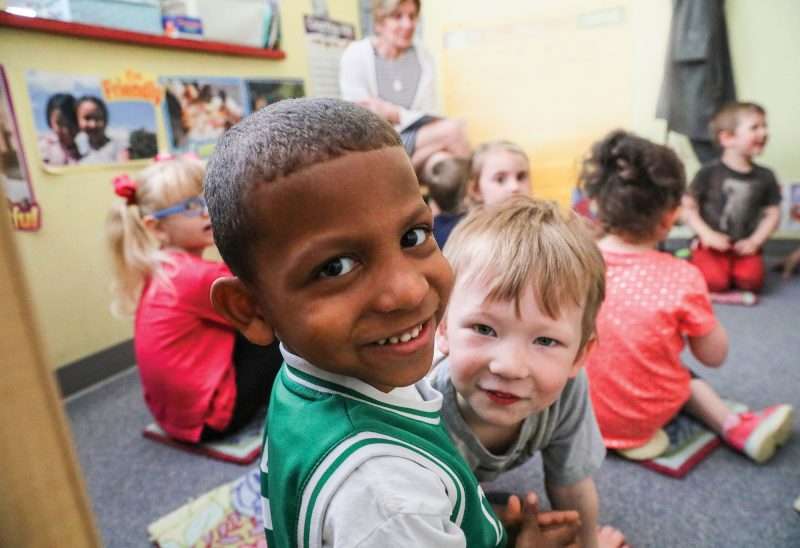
column 107, row 34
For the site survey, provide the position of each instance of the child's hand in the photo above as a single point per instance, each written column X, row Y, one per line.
column 745, row 247
column 540, row 529
column 716, row 240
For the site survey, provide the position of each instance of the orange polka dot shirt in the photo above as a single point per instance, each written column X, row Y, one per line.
column 637, row 382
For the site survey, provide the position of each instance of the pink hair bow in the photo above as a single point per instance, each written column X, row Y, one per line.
column 125, row 187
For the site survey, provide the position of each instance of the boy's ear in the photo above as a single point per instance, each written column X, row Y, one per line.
column 441, row 338
column 234, row 301
column 580, row 360
column 724, row 136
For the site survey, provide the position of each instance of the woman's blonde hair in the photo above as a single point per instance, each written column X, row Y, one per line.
column 381, row 9
column 527, row 243
column 478, row 160
column 136, row 255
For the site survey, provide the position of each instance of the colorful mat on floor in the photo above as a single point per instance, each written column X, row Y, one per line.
column 243, row 447
column 689, row 443
column 745, row 298
column 229, row 515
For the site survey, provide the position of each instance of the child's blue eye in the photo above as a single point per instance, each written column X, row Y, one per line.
column 482, row 329
column 545, row 341
column 337, row 267
column 414, row 237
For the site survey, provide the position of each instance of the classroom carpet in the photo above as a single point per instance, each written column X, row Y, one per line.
column 725, row 501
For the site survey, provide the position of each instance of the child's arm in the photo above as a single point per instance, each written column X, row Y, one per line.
column 711, row 349
column 770, row 219
column 708, row 236
column 789, row 264
column 581, row 496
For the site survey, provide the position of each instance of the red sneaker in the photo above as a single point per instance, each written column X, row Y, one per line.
column 758, row 434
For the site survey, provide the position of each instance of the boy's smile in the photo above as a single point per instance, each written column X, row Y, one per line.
column 507, row 365
column 349, row 276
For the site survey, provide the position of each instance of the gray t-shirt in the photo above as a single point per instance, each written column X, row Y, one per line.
column 566, row 433
column 398, row 78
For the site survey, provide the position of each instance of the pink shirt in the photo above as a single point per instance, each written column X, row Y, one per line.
column 636, row 379
column 184, row 349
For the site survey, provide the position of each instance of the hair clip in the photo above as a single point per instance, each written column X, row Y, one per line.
column 125, row 187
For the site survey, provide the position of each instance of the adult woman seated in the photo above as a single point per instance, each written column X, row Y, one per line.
column 395, row 78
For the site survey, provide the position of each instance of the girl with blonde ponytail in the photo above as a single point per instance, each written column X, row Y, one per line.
column 201, row 379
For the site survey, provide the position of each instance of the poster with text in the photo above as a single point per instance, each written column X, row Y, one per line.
column 13, row 170
column 261, row 93
column 197, row 111
column 91, row 120
column 326, row 40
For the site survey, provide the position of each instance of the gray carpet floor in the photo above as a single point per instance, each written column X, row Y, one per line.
column 725, row 501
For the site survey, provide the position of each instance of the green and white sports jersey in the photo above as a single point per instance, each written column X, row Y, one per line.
column 322, row 426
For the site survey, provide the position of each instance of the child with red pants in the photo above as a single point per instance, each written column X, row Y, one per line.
column 733, row 204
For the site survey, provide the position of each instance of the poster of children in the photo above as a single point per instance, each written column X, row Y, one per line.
column 89, row 119
column 198, row 111
column 265, row 92
column 13, row 171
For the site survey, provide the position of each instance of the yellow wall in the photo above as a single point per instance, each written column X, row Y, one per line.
column 66, row 263
column 764, row 43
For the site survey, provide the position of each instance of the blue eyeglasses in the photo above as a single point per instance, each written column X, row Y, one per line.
column 193, row 207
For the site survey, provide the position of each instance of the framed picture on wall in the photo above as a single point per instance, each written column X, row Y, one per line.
column 197, row 111
column 261, row 93
column 13, row 170
column 91, row 120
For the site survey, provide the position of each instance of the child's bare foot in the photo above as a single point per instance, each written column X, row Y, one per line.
column 610, row 537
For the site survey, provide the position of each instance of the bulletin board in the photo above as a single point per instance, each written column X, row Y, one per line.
column 553, row 81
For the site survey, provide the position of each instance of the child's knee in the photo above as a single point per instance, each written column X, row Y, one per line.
column 750, row 282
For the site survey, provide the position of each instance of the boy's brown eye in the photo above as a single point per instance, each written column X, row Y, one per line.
column 337, row 267
column 414, row 237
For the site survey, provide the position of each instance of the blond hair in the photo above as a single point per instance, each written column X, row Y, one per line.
column 381, row 9
column 727, row 118
column 478, row 160
column 527, row 242
column 136, row 255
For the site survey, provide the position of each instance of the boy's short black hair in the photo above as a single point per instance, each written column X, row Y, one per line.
column 275, row 142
